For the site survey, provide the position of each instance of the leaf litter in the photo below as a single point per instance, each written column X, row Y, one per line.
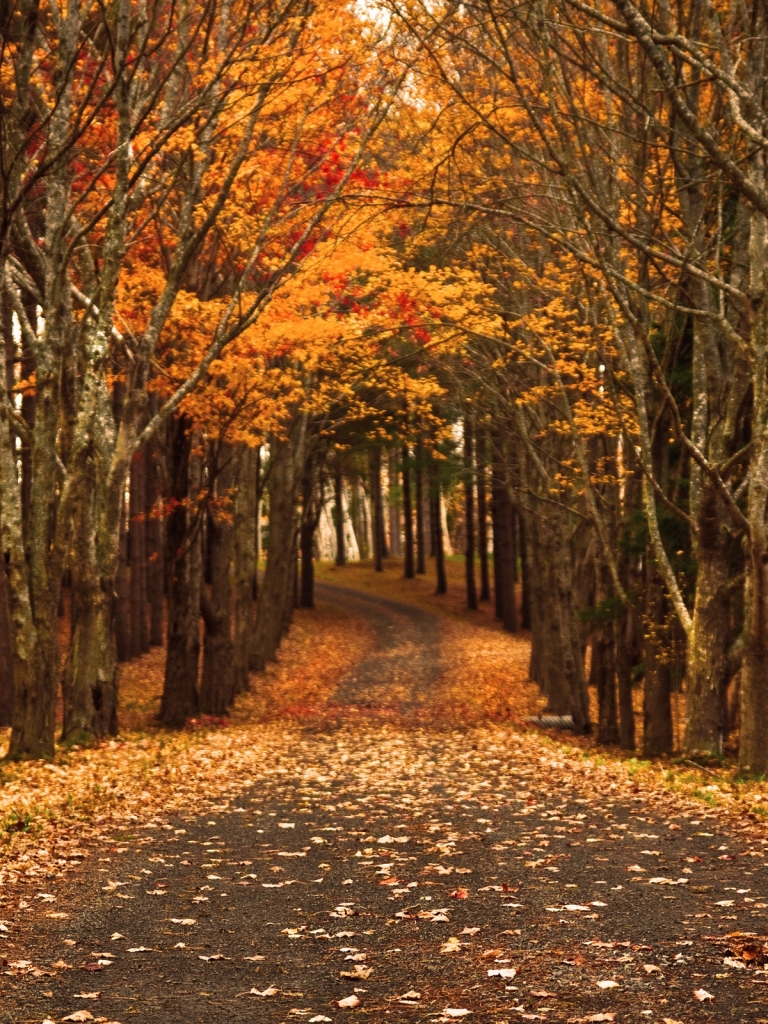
column 509, row 808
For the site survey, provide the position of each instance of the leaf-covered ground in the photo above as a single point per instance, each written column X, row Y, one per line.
column 375, row 836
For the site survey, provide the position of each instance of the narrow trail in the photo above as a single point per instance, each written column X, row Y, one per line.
column 407, row 874
column 394, row 678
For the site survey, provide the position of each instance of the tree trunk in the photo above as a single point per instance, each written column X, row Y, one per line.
column 277, row 591
column 469, row 518
column 137, row 555
column 623, row 662
column 184, row 569
column 602, row 673
column 307, row 539
column 154, row 533
column 6, row 651
column 550, row 625
column 122, row 599
column 90, row 675
column 603, row 677
column 28, row 406
column 707, row 674
column 378, row 511
column 525, row 562
column 217, row 686
column 395, row 546
column 407, row 515
column 338, row 501
column 89, row 683
column 573, row 660
column 504, row 555
column 245, row 561
column 421, row 560
column 657, row 708
column 34, row 569
column 434, row 515
column 122, row 587
column 482, row 521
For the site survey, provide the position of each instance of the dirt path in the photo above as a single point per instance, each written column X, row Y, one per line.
column 429, row 875
column 393, row 680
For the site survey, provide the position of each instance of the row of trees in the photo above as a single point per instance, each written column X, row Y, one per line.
column 612, row 161
column 251, row 225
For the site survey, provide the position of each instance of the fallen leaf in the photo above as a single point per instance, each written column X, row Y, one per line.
column 187, row 921
column 87, row 995
column 450, row 1012
column 410, row 997
column 607, row 984
column 502, row 972
column 271, row 991
column 350, row 1001
column 729, row 961
column 452, row 945
column 358, row 971
column 79, row 1015
column 702, row 995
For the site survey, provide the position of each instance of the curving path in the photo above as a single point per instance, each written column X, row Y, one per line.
column 387, row 873
column 405, row 659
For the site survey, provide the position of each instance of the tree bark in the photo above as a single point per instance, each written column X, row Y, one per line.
column 217, row 686
column 378, row 511
column 155, row 574
column 6, row 651
column 482, row 520
column 184, row 573
column 89, row 684
column 602, row 672
column 469, row 518
column 393, row 501
column 407, row 515
column 421, row 560
column 504, row 548
column 245, row 561
column 309, row 521
column 277, row 591
column 338, row 500
column 623, row 662
column 707, row 674
column 657, row 707
column 442, row 583
column 122, row 598
column 138, row 557
column 525, row 605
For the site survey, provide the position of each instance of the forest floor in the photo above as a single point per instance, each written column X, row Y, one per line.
column 374, row 835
